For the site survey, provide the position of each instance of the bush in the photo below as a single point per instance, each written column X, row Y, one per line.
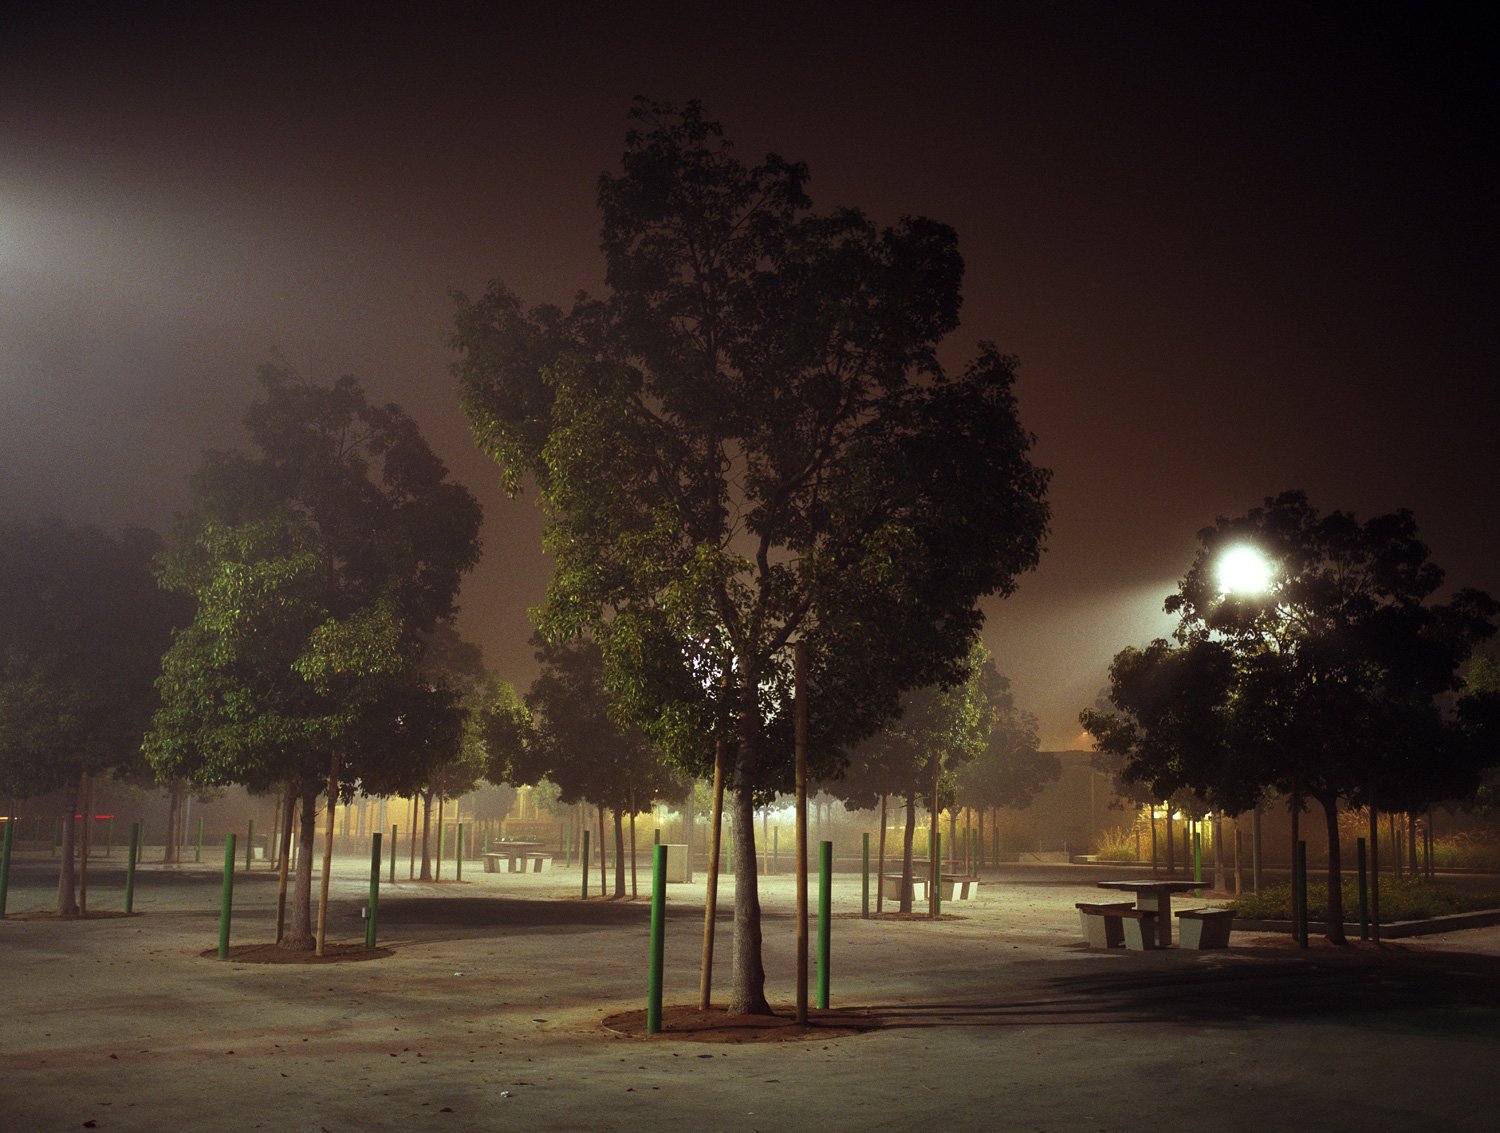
column 1117, row 845
column 1401, row 899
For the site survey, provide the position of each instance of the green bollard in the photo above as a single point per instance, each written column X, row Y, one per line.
column 864, row 889
column 249, row 845
column 10, row 833
column 226, row 900
column 1299, row 884
column 374, row 889
column 198, row 851
column 937, row 873
column 458, row 854
column 825, row 916
column 130, row 864
column 658, row 938
column 1364, row 890
column 584, row 859
column 393, row 855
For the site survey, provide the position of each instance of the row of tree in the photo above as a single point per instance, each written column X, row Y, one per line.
column 1340, row 681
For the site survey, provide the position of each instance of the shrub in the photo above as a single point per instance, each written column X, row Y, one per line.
column 1401, row 899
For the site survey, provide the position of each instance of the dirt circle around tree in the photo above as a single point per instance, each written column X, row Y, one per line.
column 275, row 954
column 687, row 1023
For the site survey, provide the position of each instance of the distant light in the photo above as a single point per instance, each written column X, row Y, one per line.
column 1244, row 570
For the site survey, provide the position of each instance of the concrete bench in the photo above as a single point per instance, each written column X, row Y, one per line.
column 1112, row 925
column 959, row 887
column 536, row 863
column 1204, row 928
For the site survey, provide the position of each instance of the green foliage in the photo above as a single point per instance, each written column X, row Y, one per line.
column 318, row 568
column 82, row 629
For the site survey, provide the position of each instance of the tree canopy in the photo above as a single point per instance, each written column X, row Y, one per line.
column 1330, row 683
column 83, row 626
column 750, row 440
column 316, row 565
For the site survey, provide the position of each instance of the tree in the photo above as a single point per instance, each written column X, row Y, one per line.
column 920, row 754
column 316, row 566
column 577, row 742
column 751, row 441
column 82, row 630
column 1009, row 770
column 1326, row 686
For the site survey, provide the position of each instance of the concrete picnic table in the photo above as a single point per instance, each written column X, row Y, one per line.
column 1157, row 897
column 510, row 851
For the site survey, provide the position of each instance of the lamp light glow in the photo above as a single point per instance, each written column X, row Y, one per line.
column 1244, row 570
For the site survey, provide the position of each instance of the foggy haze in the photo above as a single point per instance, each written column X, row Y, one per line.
column 1237, row 252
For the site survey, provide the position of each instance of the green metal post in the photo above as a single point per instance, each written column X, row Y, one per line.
column 584, row 861
column 249, row 845
column 393, row 855
column 226, row 900
column 458, row 870
column 130, row 863
column 935, row 877
column 1364, row 889
column 10, row 834
column 374, row 889
column 198, row 853
column 1299, row 882
column 658, row 937
column 864, row 888
column 825, row 915
column 109, row 837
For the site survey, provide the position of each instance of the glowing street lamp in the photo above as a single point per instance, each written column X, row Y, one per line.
column 1244, row 570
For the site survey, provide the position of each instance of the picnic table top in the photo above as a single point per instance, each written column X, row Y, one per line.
column 506, row 848
column 1146, row 885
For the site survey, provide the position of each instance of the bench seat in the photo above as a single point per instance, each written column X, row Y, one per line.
column 1204, row 928
column 1117, row 924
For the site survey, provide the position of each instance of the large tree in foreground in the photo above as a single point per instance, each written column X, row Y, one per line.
column 317, row 564
column 750, row 442
column 1327, row 684
column 82, row 629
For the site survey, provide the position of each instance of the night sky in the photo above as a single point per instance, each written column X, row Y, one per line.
column 1238, row 248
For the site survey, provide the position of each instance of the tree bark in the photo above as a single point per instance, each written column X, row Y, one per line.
column 67, row 878
column 87, row 809
column 880, row 869
column 934, row 865
column 174, row 811
column 1374, row 868
column 1218, row 830
column 1335, row 929
column 634, row 891
column 288, row 802
column 332, row 792
column 426, row 874
column 711, row 902
column 749, row 992
column 301, row 937
column 619, row 854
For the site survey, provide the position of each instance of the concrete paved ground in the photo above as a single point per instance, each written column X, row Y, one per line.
column 488, row 1017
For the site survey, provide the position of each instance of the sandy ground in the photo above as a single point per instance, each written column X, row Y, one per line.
column 489, row 1014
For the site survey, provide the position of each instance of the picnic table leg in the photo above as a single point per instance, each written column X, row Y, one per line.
column 1161, row 904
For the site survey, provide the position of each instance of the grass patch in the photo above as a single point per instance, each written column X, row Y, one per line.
column 1401, row 899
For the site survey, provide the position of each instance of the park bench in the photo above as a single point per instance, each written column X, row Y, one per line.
column 1112, row 925
column 960, row 887
column 1204, row 928
column 536, row 863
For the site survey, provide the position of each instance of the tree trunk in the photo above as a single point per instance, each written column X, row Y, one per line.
column 602, row 851
column 67, row 879
column 426, row 874
column 332, row 792
column 1374, row 869
column 634, row 891
column 1218, row 830
column 711, row 902
column 87, row 791
column 301, row 937
column 1171, row 863
column 437, row 872
column 880, row 858
column 979, row 841
column 1411, row 842
column 619, row 854
column 907, row 837
column 748, row 996
column 1335, row 929
column 174, row 810
column 288, row 802
column 934, row 843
